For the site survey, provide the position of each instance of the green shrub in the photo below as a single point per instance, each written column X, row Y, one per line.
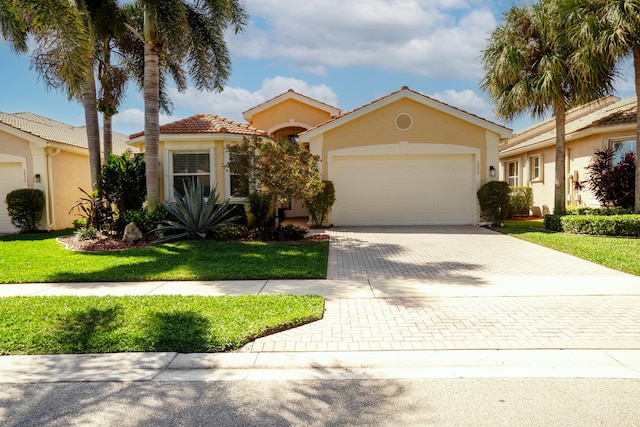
column 280, row 234
column 238, row 209
column 25, row 207
column 229, row 232
column 321, row 204
column 494, row 201
column 553, row 222
column 194, row 215
column 602, row 225
column 143, row 219
column 261, row 207
column 86, row 233
column 79, row 223
column 123, row 181
column 520, row 201
column 617, row 210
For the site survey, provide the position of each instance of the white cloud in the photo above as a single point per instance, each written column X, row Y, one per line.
column 440, row 38
column 231, row 102
column 468, row 101
column 131, row 120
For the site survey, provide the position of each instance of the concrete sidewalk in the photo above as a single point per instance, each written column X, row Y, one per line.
column 507, row 326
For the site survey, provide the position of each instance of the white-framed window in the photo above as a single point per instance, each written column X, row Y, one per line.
column 512, row 173
column 535, row 168
column 237, row 184
column 621, row 148
column 187, row 164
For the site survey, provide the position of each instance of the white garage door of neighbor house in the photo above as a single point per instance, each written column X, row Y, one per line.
column 404, row 190
column 10, row 179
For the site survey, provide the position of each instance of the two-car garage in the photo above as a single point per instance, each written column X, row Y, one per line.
column 404, row 189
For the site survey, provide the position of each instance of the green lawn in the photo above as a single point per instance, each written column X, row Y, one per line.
column 187, row 324
column 614, row 252
column 40, row 258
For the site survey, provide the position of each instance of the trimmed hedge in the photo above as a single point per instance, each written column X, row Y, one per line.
column 25, row 207
column 617, row 210
column 494, row 201
column 596, row 225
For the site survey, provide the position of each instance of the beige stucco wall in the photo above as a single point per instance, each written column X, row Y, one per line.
column 69, row 172
column 12, row 145
column 430, row 126
column 289, row 112
column 579, row 153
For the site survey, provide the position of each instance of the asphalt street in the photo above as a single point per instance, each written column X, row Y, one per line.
column 424, row 402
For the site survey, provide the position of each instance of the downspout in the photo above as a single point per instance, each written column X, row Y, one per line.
column 50, row 211
column 569, row 180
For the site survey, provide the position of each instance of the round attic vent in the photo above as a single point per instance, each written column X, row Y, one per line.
column 404, row 121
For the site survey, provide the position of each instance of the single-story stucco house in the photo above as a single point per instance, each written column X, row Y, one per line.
column 38, row 152
column 528, row 159
column 402, row 159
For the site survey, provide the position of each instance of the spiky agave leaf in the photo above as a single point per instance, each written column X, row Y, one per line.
column 194, row 214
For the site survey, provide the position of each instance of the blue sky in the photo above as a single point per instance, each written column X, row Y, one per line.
column 346, row 53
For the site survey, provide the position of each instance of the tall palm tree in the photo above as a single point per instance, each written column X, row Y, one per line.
column 63, row 56
column 175, row 33
column 530, row 66
column 608, row 31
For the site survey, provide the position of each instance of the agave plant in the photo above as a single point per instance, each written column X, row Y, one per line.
column 194, row 214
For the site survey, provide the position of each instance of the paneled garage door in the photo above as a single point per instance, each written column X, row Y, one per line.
column 404, row 190
column 10, row 179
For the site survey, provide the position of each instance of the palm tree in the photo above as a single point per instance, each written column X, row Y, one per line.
column 176, row 32
column 530, row 66
column 609, row 30
column 63, row 57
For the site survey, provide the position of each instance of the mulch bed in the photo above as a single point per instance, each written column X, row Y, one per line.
column 106, row 242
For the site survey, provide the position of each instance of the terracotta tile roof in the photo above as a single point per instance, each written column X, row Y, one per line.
column 206, row 123
column 57, row 132
column 610, row 111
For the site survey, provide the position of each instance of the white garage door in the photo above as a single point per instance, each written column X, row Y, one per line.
column 404, row 190
column 10, row 179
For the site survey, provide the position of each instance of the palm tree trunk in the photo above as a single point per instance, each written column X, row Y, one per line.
column 92, row 126
column 107, row 135
column 151, row 121
column 636, row 66
column 560, row 183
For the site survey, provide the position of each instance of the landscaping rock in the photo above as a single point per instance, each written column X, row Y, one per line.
column 131, row 233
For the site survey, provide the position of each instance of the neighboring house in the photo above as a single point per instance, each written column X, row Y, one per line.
column 402, row 159
column 528, row 159
column 37, row 152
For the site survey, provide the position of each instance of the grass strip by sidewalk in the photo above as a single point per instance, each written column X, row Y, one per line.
column 187, row 324
column 40, row 258
column 613, row 252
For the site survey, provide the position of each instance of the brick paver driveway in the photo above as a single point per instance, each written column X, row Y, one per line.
column 466, row 253
column 464, row 287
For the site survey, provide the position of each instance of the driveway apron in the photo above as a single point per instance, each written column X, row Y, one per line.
column 464, row 287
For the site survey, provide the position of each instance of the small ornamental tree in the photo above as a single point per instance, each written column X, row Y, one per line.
column 283, row 168
column 612, row 185
column 321, row 204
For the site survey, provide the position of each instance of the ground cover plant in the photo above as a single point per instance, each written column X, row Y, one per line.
column 187, row 324
column 613, row 252
column 39, row 257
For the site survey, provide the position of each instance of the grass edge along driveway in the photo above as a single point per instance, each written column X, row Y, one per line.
column 163, row 323
column 32, row 258
column 617, row 253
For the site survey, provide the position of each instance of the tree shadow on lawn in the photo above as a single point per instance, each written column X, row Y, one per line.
column 198, row 261
column 98, row 330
